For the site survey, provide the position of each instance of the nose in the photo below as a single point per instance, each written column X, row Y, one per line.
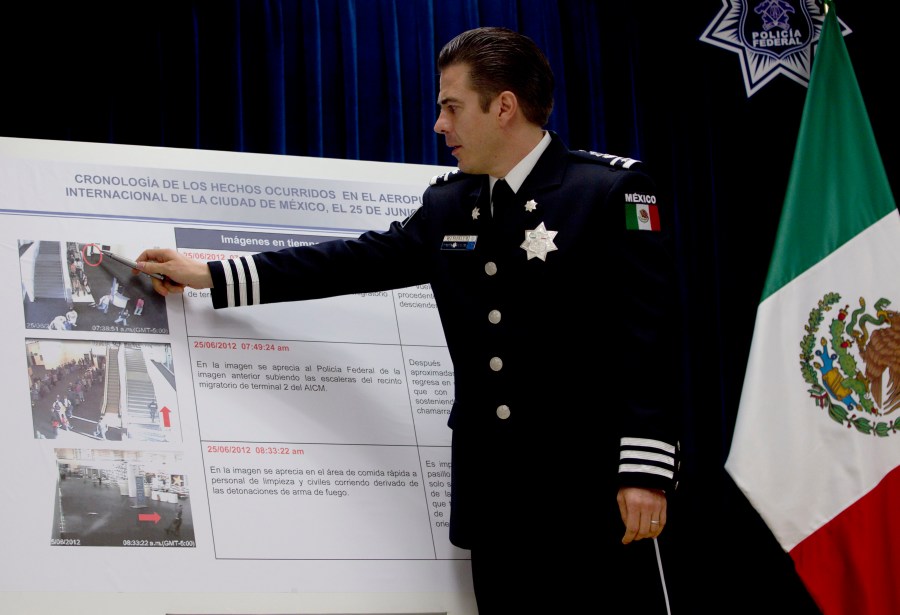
column 440, row 124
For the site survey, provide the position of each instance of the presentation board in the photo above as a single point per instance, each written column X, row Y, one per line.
column 157, row 445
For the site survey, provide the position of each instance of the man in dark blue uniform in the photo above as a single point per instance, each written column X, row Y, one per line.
column 556, row 298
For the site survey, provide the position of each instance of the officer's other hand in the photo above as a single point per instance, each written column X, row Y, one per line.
column 643, row 512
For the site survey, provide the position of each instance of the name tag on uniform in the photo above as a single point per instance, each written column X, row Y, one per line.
column 459, row 242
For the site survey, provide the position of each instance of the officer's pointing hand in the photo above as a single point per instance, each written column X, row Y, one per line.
column 180, row 271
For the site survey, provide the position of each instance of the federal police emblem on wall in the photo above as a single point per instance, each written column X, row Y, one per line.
column 851, row 363
column 773, row 37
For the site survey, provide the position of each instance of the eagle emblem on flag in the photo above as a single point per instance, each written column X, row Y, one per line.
column 852, row 363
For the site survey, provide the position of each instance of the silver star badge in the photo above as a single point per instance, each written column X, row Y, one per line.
column 531, row 205
column 475, row 213
column 538, row 242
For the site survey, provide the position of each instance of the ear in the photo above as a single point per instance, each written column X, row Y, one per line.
column 508, row 106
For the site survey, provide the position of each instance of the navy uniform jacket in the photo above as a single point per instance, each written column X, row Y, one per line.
column 564, row 378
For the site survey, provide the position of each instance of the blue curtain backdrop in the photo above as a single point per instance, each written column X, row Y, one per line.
column 356, row 79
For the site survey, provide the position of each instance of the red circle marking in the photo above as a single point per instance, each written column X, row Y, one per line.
column 84, row 256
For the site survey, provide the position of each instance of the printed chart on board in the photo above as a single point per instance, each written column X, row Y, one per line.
column 297, row 436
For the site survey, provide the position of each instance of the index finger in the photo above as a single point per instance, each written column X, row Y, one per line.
column 632, row 521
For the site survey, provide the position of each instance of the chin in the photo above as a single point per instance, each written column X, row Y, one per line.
column 465, row 167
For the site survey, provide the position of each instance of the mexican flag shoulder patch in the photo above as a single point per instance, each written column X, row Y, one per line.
column 641, row 213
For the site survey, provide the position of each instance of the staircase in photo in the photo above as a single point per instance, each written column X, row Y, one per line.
column 140, row 392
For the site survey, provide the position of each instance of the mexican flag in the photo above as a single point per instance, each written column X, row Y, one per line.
column 816, row 447
column 640, row 216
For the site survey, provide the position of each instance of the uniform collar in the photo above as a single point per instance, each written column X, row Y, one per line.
column 516, row 176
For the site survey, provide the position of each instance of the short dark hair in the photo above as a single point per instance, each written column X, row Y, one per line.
column 501, row 59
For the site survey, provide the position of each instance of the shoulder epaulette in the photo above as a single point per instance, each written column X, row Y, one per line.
column 617, row 162
column 446, row 178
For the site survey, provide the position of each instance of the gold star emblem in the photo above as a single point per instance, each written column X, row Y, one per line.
column 538, row 242
column 531, row 205
column 475, row 213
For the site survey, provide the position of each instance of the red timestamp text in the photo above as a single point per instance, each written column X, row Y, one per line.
column 217, row 345
column 265, row 346
column 228, row 448
column 278, row 450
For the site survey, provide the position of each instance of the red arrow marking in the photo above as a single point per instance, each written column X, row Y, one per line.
column 165, row 412
column 154, row 517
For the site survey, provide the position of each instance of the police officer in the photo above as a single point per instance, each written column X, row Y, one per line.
column 556, row 297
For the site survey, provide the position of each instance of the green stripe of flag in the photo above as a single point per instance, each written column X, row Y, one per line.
column 838, row 186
